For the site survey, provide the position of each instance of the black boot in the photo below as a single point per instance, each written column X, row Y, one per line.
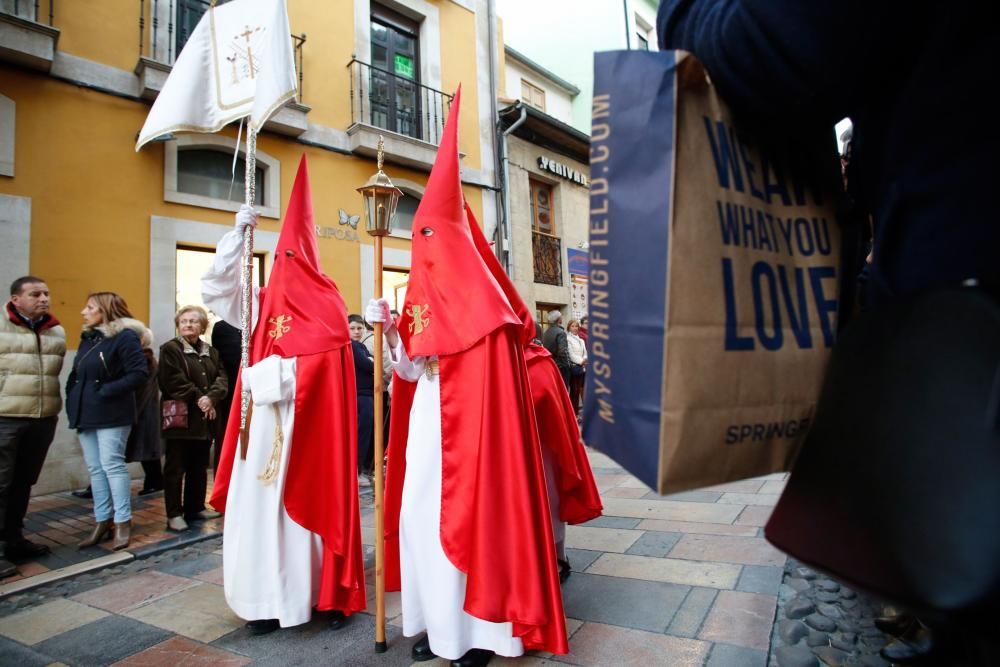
column 86, row 494
column 421, row 651
column 263, row 626
column 914, row 648
column 337, row 619
column 474, row 657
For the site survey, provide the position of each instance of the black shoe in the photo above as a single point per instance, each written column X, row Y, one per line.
column 7, row 569
column 564, row 569
column 23, row 549
column 897, row 626
column 474, row 657
column 337, row 619
column 918, row 646
column 146, row 492
column 86, row 494
column 421, row 651
column 263, row 626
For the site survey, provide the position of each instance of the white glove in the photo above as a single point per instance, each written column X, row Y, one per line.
column 377, row 310
column 247, row 217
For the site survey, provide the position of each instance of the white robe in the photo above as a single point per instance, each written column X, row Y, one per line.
column 271, row 565
column 433, row 589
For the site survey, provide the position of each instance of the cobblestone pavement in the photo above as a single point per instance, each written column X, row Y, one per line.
column 686, row 579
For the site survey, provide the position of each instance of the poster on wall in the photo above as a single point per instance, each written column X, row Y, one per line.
column 578, row 262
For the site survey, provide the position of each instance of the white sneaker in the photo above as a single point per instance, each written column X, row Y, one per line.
column 363, row 481
column 177, row 524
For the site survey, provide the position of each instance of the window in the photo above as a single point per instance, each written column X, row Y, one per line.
column 542, row 311
column 394, row 281
column 402, row 224
column 189, row 12
column 395, row 71
column 541, row 208
column 209, row 173
column 532, row 95
column 198, row 171
column 643, row 33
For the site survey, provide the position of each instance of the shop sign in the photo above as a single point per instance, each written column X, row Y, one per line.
column 559, row 169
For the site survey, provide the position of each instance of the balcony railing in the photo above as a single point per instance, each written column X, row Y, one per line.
column 166, row 25
column 29, row 10
column 547, row 252
column 396, row 103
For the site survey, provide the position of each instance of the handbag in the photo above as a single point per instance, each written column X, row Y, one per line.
column 174, row 414
column 716, row 230
column 897, row 487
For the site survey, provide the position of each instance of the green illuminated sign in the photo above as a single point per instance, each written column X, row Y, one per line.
column 404, row 66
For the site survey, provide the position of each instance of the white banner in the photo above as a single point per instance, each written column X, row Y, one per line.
column 238, row 62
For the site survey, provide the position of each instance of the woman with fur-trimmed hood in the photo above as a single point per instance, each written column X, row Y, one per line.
column 100, row 402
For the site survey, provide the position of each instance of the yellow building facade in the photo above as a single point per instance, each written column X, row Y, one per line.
column 84, row 211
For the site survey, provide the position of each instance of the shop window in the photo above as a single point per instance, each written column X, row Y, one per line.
column 643, row 33
column 394, row 281
column 192, row 263
column 532, row 95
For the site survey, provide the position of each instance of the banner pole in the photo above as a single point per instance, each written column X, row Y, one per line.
column 246, row 284
column 378, row 456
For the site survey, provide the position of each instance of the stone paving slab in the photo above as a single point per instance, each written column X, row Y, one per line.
column 601, row 645
column 37, row 624
column 197, row 612
column 626, row 602
column 667, row 570
column 102, row 642
column 743, row 619
column 178, row 651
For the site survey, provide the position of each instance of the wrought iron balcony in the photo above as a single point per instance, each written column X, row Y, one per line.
column 166, row 25
column 27, row 34
column 386, row 100
column 29, row 10
column 547, row 252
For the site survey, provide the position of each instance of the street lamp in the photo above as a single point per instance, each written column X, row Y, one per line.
column 380, row 197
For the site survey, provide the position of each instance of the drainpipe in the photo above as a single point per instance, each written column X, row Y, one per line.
column 508, row 240
column 628, row 33
column 491, row 19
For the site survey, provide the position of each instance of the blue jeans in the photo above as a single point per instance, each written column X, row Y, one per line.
column 104, row 452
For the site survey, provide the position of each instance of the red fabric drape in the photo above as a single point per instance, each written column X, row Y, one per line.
column 494, row 522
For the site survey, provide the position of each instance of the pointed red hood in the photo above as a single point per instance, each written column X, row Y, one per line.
column 452, row 299
column 503, row 280
column 301, row 309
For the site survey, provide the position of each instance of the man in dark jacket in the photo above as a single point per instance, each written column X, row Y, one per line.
column 555, row 342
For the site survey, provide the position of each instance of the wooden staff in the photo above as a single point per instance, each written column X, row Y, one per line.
column 381, row 197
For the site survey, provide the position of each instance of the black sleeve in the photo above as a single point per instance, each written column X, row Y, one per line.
column 782, row 58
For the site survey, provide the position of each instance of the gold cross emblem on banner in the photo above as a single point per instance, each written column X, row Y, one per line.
column 280, row 326
column 418, row 321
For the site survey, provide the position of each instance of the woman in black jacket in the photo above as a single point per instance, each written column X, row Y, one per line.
column 144, row 442
column 100, row 403
column 190, row 371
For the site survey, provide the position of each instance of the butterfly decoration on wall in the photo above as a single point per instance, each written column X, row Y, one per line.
column 351, row 220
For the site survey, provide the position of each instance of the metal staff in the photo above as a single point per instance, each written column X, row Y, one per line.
column 246, row 284
column 380, row 197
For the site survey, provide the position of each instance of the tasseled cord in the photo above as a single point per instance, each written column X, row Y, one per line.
column 270, row 472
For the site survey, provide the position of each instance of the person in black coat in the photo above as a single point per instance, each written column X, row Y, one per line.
column 364, row 372
column 144, row 443
column 100, row 402
column 227, row 339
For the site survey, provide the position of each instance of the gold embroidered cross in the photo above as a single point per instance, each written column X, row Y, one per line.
column 418, row 321
column 280, row 326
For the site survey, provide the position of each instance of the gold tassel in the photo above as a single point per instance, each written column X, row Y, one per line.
column 270, row 472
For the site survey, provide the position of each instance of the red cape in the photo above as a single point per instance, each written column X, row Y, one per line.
column 495, row 523
column 321, row 492
column 579, row 500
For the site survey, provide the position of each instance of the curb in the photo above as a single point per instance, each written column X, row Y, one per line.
column 119, row 558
